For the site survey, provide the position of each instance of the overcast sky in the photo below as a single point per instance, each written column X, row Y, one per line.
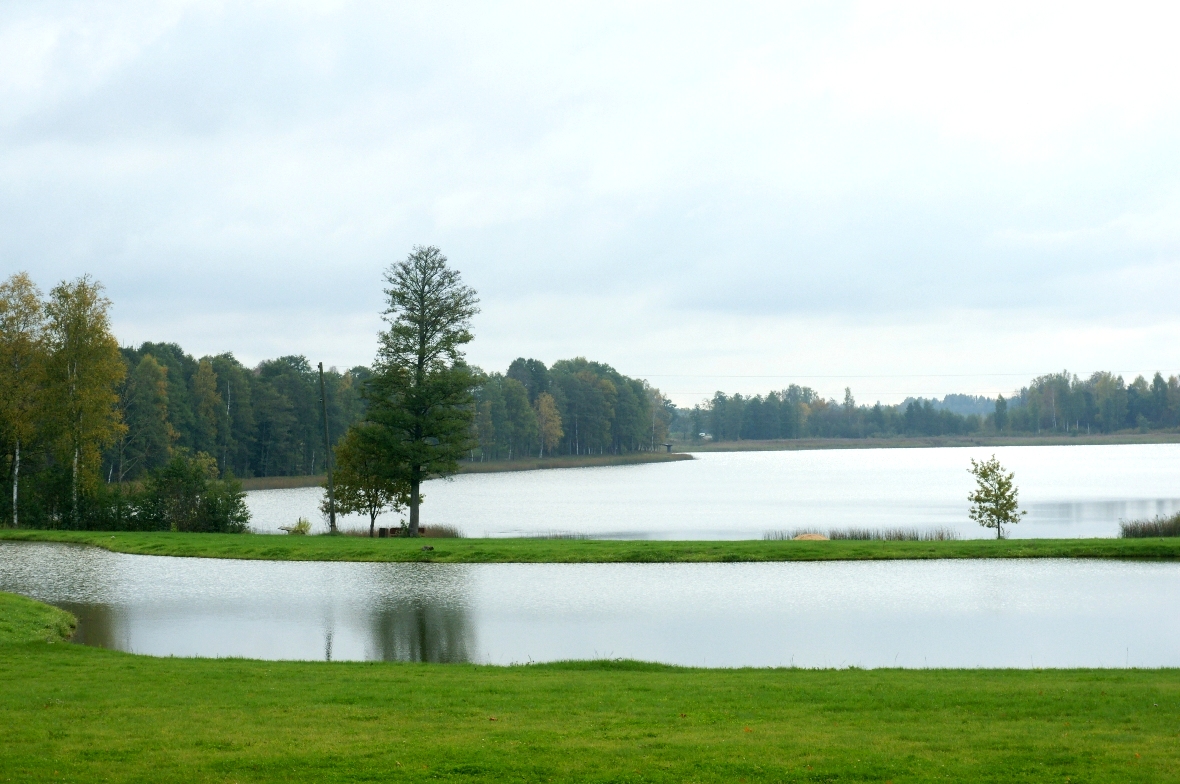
column 916, row 201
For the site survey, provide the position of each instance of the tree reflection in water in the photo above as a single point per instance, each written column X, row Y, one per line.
column 422, row 631
column 422, row 614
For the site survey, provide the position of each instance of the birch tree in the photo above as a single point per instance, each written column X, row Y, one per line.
column 85, row 370
column 22, row 368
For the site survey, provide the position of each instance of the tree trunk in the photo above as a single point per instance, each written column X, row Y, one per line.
column 15, row 479
column 415, row 485
column 372, row 523
column 74, row 487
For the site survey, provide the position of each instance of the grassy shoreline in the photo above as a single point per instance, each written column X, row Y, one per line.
column 347, row 548
column 491, row 466
column 928, row 442
column 85, row 714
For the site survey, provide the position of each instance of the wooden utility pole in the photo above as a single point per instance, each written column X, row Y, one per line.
column 328, row 452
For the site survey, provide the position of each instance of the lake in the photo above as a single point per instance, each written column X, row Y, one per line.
column 1069, row 491
column 987, row 613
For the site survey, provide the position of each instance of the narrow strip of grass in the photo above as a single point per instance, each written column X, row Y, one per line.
column 348, row 548
column 571, row 461
column 25, row 620
column 76, row 714
column 491, row 467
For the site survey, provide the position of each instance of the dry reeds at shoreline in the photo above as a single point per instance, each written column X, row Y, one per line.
column 939, row 534
column 1149, row 529
column 425, row 532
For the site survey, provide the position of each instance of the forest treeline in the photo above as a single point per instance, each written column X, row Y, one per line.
column 1053, row 403
column 98, row 435
column 90, row 429
column 574, row 407
column 260, row 421
column 78, row 417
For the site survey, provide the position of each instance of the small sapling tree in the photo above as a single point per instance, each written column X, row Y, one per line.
column 993, row 502
column 365, row 481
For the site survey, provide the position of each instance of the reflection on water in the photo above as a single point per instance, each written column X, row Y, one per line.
column 1030, row 613
column 255, row 609
column 420, row 632
column 98, row 625
column 1069, row 491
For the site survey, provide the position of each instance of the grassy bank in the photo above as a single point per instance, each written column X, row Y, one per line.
column 24, row 620
column 84, row 714
column 491, row 466
column 919, row 442
column 347, row 548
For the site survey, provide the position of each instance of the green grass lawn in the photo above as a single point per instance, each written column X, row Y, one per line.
column 70, row 713
column 349, row 548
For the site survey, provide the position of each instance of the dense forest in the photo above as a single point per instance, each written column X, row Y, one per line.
column 260, row 421
column 1054, row 403
column 575, row 407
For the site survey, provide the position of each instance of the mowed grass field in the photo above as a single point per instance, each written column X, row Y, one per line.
column 350, row 548
column 79, row 714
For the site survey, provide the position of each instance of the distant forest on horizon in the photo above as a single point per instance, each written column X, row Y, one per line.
column 1055, row 403
column 267, row 421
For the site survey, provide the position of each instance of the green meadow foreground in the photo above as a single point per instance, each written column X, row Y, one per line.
column 83, row 714
column 350, row 548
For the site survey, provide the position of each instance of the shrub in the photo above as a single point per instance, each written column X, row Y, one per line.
column 302, row 527
column 185, row 494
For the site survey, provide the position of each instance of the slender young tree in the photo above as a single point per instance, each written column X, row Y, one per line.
column 993, row 502
column 85, row 369
column 22, row 368
column 420, row 392
column 363, row 483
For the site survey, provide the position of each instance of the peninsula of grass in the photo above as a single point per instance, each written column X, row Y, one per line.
column 491, row 466
column 349, row 548
column 72, row 713
column 25, row 620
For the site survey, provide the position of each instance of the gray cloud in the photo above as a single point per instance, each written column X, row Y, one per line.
column 239, row 174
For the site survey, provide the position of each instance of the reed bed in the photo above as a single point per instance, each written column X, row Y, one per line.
column 939, row 534
column 1149, row 529
column 425, row 532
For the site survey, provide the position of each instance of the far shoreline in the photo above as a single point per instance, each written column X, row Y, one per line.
column 684, row 451
column 490, row 467
column 927, row 442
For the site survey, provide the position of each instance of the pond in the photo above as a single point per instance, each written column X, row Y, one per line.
column 999, row 613
column 1069, row 491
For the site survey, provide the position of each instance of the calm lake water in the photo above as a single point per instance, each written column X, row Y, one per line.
column 1044, row 613
column 1069, row 491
